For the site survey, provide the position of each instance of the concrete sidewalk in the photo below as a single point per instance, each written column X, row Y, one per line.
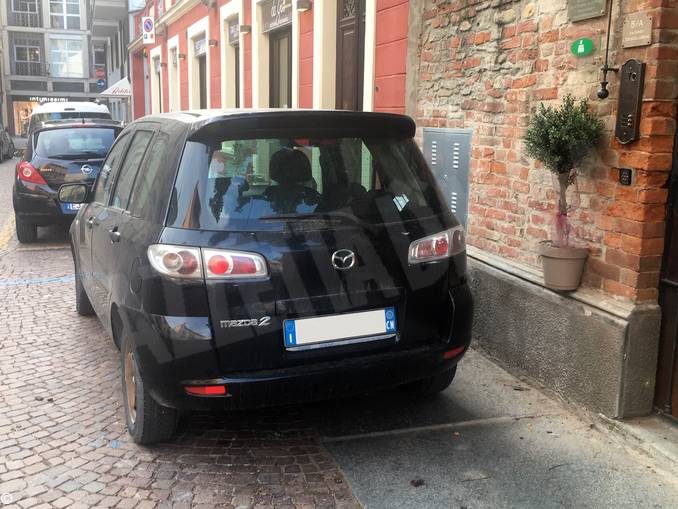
column 491, row 440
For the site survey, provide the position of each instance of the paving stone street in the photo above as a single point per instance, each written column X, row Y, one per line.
column 490, row 440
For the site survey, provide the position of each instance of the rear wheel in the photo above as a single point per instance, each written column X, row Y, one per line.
column 434, row 384
column 147, row 421
column 26, row 232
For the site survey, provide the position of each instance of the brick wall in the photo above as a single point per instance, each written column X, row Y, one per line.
column 487, row 64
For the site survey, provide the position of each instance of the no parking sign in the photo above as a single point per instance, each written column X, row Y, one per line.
column 147, row 30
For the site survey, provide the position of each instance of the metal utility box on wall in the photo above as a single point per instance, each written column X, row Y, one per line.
column 448, row 153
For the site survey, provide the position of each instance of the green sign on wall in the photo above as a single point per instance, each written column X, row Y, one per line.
column 582, row 47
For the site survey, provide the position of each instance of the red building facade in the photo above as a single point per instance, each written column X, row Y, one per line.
column 348, row 54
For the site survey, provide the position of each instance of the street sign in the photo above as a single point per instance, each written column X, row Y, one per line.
column 582, row 47
column 579, row 10
column 101, row 83
column 147, row 30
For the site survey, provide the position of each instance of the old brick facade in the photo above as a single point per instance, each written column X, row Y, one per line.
column 486, row 64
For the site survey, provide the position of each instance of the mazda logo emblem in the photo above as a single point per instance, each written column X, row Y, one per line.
column 343, row 259
column 86, row 169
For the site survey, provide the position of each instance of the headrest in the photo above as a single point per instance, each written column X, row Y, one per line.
column 289, row 167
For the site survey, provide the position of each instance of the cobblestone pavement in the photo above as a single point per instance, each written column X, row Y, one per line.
column 63, row 440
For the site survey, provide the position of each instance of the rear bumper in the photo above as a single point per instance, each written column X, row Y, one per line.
column 38, row 205
column 174, row 352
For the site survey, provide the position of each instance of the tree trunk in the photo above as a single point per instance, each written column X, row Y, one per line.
column 562, row 223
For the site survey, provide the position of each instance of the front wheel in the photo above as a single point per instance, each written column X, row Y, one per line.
column 147, row 421
column 434, row 384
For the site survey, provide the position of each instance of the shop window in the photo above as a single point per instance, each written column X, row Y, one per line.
column 64, row 14
column 66, row 58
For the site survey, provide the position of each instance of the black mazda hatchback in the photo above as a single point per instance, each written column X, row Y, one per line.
column 247, row 258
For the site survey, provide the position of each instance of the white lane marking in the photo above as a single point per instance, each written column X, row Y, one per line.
column 437, row 427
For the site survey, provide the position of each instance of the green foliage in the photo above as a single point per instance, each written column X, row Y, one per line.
column 562, row 137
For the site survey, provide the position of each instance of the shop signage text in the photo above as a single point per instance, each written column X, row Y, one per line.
column 276, row 14
column 233, row 32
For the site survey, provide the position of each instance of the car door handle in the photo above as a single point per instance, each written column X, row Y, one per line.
column 91, row 222
column 114, row 235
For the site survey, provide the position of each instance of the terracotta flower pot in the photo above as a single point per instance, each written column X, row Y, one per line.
column 563, row 266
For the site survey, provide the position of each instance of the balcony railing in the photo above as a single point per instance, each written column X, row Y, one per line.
column 30, row 68
column 24, row 19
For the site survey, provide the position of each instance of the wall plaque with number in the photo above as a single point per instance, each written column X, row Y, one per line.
column 637, row 30
column 578, row 10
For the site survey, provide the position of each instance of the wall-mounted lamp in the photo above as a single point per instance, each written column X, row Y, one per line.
column 212, row 43
column 245, row 29
column 304, row 5
column 182, row 56
column 144, row 53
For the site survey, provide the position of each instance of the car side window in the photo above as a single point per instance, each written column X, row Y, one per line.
column 129, row 167
column 145, row 190
column 104, row 183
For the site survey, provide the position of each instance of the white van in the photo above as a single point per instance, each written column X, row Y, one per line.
column 61, row 110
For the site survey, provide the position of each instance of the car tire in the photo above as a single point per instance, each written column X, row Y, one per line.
column 433, row 385
column 26, row 232
column 83, row 306
column 148, row 422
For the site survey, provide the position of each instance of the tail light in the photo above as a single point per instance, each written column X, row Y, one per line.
column 439, row 246
column 206, row 390
column 194, row 263
column 26, row 171
column 232, row 264
column 176, row 261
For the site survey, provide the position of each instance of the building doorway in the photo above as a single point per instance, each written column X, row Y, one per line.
column 350, row 54
column 202, row 80
column 666, row 387
column 280, row 68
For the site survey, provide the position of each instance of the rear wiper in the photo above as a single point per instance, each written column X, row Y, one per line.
column 310, row 215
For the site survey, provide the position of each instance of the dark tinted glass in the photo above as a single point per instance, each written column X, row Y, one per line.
column 75, row 143
column 106, row 177
column 234, row 184
column 129, row 167
column 146, row 192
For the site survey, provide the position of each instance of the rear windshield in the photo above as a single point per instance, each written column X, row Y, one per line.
column 245, row 184
column 74, row 143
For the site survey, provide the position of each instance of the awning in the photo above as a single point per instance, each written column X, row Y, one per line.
column 121, row 88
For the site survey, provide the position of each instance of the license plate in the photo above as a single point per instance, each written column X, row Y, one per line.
column 73, row 206
column 319, row 330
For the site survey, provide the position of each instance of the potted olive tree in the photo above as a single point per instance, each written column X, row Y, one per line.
column 561, row 138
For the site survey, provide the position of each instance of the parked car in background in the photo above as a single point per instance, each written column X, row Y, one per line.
column 264, row 257
column 66, row 110
column 57, row 153
column 6, row 144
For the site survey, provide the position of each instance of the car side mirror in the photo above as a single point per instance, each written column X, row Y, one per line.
column 74, row 193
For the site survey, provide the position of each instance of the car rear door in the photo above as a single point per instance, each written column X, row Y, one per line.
column 306, row 275
column 89, row 217
column 112, row 221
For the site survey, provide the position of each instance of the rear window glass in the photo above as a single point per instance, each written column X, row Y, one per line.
column 89, row 142
column 244, row 184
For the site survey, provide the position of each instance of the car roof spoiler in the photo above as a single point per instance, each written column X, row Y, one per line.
column 104, row 122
